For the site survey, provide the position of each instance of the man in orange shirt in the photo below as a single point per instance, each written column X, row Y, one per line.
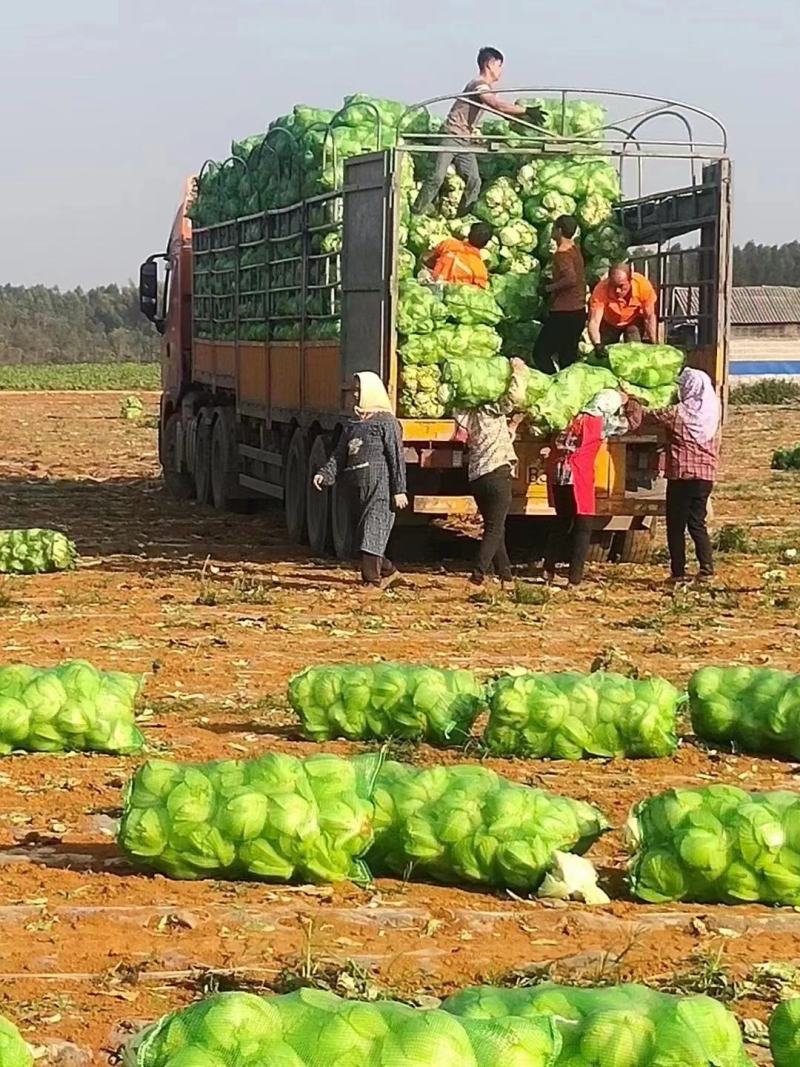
column 460, row 261
column 623, row 308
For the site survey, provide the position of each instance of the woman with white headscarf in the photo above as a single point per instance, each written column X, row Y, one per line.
column 369, row 458
column 692, row 427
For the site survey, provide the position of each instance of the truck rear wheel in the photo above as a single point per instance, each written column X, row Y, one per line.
column 635, row 546
column 202, row 459
column 226, row 493
column 295, row 488
column 176, row 479
column 341, row 523
column 318, row 502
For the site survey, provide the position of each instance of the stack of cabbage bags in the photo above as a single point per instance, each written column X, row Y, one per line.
column 717, row 845
column 786, row 459
column 14, row 1052
column 35, row 552
column 753, row 707
column 467, row 825
column 784, row 1034
column 311, row 1028
column 566, row 395
column 385, row 700
column 648, row 372
column 618, row 1026
column 569, row 716
column 73, row 707
column 276, row 818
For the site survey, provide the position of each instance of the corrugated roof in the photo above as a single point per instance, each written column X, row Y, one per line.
column 751, row 305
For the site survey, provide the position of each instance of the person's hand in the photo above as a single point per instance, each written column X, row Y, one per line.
column 400, row 501
column 319, row 481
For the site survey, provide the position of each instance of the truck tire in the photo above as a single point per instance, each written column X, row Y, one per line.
column 341, row 523
column 176, row 479
column 202, row 458
column 295, row 488
column 226, row 493
column 601, row 546
column 635, row 546
column 318, row 502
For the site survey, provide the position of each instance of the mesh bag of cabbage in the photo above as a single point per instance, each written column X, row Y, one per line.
column 568, row 716
column 716, row 845
column 784, row 1034
column 383, row 700
column 13, row 1050
column 311, row 1028
column 753, row 707
column 276, row 818
column 647, row 365
column 467, row 824
column 618, row 1026
column 35, row 552
column 73, row 707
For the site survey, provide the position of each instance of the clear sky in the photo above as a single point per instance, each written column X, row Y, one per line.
column 105, row 105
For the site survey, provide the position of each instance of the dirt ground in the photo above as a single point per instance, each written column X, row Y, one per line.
column 219, row 611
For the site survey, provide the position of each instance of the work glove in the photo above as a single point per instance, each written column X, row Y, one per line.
column 536, row 115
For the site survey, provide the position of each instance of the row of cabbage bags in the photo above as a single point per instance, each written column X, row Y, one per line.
column 542, row 1026
column 35, row 551
column 563, row 715
column 72, row 707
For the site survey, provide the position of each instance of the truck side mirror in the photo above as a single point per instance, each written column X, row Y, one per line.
column 148, row 289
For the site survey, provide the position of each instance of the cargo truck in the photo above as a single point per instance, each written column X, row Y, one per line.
column 244, row 419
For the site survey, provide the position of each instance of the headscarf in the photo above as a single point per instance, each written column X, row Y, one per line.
column 698, row 405
column 372, row 395
column 607, row 405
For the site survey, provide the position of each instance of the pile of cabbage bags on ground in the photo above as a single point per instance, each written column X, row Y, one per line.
column 755, row 708
column 618, row 1026
column 784, row 1034
column 466, row 824
column 312, row 1028
column 717, row 845
column 786, row 459
column 73, row 707
column 384, row 700
column 14, row 1052
column 35, row 552
column 569, row 716
column 326, row 819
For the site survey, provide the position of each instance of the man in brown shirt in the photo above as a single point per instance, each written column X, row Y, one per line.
column 557, row 345
column 459, row 131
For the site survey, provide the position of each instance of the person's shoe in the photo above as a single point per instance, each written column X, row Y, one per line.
column 391, row 579
column 704, row 576
column 676, row 579
column 477, row 579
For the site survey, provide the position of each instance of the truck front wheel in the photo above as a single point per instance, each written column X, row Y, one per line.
column 176, row 479
column 202, row 458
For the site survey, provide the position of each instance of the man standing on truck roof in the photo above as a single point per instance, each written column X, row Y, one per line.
column 459, row 130
column 460, row 261
column 623, row 308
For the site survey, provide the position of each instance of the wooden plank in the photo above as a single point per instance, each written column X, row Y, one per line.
column 259, row 486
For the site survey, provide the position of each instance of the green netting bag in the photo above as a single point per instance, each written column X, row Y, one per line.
column 517, row 295
column 618, row 1026
column 471, row 305
column 73, row 707
column 656, row 399
column 420, row 308
column 473, row 381
column 466, row 824
column 312, row 1028
column 753, row 707
column 647, row 365
column 499, row 203
column 35, row 552
column 14, row 1052
column 384, row 700
column 784, row 1034
column 419, row 392
column 716, row 845
column 568, row 393
column 276, row 818
column 449, row 342
column 569, row 716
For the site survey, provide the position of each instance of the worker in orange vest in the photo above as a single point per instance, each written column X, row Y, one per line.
column 460, row 261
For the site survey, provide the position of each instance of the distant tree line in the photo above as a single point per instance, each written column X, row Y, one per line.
column 767, row 264
column 100, row 325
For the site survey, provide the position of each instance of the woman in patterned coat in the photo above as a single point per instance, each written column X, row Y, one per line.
column 369, row 458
